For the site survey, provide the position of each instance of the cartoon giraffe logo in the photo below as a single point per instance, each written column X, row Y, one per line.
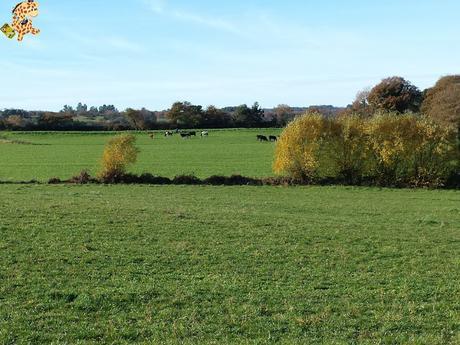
column 22, row 20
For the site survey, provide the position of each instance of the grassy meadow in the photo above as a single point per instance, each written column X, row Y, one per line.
column 26, row 156
column 228, row 265
column 217, row 265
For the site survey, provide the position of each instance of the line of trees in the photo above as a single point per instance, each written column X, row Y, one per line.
column 394, row 94
column 400, row 96
column 180, row 115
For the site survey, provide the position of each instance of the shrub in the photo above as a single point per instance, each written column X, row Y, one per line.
column 304, row 148
column 403, row 150
column 119, row 153
column 353, row 149
column 315, row 148
column 186, row 180
column 54, row 180
column 234, row 180
column 411, row 150
column 83, row 178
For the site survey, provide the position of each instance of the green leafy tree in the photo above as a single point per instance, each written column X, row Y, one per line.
column 248, row 117
column 81, row 109
column 215, row 118
column 68, row 110
column 185, row 115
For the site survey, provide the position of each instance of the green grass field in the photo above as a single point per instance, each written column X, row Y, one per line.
column 64, row 155
column 228, row 265
column 217, row 265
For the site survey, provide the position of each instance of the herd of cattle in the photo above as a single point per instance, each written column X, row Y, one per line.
column 189, row 134
column 186, row 135
column 265, row 138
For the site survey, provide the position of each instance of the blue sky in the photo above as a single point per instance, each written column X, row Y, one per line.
column 154, row 52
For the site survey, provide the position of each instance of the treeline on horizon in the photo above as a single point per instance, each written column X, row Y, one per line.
column 183, row 115
column 392, row 95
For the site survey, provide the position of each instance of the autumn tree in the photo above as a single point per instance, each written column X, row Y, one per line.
column 360, row 106
column 140, row 119
column 395, row 94
column 442, row 102
column 55, row 121
column 119, row 153
column 14, row 122
column 407, row 150
column 284, row 114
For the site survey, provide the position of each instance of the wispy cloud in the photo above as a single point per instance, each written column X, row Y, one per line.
column 161, row 7
column 215, row 23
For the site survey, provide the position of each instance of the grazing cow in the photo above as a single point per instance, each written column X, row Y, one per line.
column 204, row 134
column 192, row 134
column 185, row 135
column 262, row 138
column 273, row 138
column 169, row 134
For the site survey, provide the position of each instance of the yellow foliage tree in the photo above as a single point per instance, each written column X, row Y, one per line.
column 412, row 150
column 353, row 153
column 297, row 151
column 389, row 149
column 119, row 153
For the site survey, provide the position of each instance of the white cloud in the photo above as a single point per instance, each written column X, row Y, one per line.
column 160, row 7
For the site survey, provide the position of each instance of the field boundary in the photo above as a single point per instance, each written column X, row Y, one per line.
column 84, row 178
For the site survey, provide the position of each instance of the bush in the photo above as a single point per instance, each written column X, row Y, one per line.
column 119, row 153
column 54, row 180
column 390, row 150
column 83, row 178
column 234, row 180
column 186, row 180
column 411, row 150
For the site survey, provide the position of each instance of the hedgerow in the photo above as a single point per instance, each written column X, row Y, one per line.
column 389, row 149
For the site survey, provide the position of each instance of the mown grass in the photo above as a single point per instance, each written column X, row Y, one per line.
column 228, row 265
column 63, row 155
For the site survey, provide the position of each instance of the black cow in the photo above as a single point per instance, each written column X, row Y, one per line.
column 273, row 138
column 192, row 134
column 262, row 138
column 185, row 135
